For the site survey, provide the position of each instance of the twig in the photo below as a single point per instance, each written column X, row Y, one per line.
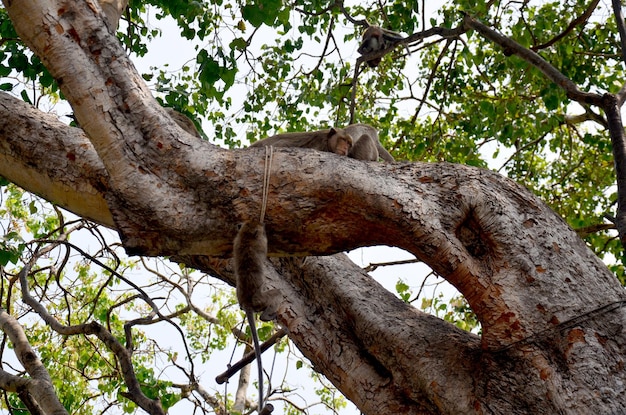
column 580, row 19
column 250, row 357
column 511, row 47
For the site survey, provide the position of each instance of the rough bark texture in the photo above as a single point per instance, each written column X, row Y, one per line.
column 552, row 314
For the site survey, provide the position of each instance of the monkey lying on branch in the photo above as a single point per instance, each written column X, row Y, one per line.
column 358, row 141
column 334, row 140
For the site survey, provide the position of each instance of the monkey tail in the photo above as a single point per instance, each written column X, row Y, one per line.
column 257, row 352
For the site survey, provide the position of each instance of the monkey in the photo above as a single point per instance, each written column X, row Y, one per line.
column 372, row 41
column 249, row 253
column 376, row 38
column 334, row 140
column 367, row 146
column 183, row 121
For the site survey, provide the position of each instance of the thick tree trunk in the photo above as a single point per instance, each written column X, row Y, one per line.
column 552, row 314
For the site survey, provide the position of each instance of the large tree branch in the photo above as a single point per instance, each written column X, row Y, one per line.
column 96, row 76
column 72, row 176
column 452, row 217
column 459, row 220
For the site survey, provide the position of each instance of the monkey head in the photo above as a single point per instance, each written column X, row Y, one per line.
column 339, row 142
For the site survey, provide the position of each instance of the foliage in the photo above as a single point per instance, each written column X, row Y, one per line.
column 261, row 67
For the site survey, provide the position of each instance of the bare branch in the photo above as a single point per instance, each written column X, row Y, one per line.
column 250, row 357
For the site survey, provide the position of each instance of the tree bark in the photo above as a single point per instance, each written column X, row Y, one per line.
column 552, row 314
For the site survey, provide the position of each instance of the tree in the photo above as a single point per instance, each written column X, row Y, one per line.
column 551, row 313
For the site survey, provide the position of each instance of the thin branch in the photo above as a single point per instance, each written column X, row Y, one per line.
column 373, row 266
column 358, row 69
column 144, row 296
column 431, row 79
column 321, row 58
column 186, row 293
column 598, row 227
column 580, row 19
column 247, row 359
column 530, row 144
column 511, row 47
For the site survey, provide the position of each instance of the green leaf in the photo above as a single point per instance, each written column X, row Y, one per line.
column 262, row 12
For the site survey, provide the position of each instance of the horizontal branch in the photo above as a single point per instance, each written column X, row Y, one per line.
column 57, row 161
column 412, row 39
column 320, row 203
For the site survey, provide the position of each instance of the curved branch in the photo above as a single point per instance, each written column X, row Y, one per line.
column 362, row 22
column 588, row 115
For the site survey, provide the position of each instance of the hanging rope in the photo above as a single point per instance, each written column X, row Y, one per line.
column 269, row 155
